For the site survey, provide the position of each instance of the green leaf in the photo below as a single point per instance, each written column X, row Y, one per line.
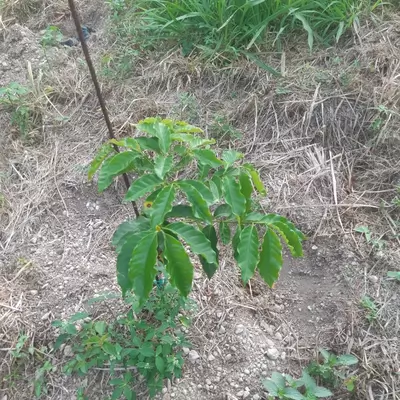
column 211, row 234
column 216, row 187
column 148, row 143
column 157, row 128
column 141, row 186
column 235, row 242
column 129, row 393
column 123, row 260
column 131, row 226
column 146, row 350
column 200, row 207
column 100, row 327
column 109, row 348
column 325, row 354
column 142, row 265
column 291, row 238
column 179, row 267
column 78, row 316
column 271, row 387
column 233, row 195
column 160, row 365
column 207, row 157
column 223, row 210
column 114, row 166
column 271, row 259
column 163, row 165
column 224, row 232
column 162, row 205
column 255, row 177
column 248, row 252
column 231, row 156
column 126, row 142
column 347, row 359
column 246, row 188
column 320, row 392
column 394, row 274
column 181, row 211
column 306, row 27
column 291, row 393
column 102, row 154
column 278, row 379
column 308, row 381
column 202, row 189
column 197, row 241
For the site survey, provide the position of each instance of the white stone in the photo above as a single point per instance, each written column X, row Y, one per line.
column 272, row 354
column 239, row 329
column 211, row 358
column 193, row 356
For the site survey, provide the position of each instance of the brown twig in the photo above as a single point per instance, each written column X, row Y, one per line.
column 96, row 84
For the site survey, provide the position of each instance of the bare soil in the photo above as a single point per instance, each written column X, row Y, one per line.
column 308, row 133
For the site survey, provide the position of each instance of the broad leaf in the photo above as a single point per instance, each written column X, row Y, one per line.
column 347, row 359
column 200, row 207
column 148, row 143
column 162, row 205
column 291, row 238
column 181, row 211
column 224, row 232
column 114, row 166
column 202, row 189
column 141, row 186
column 293, row 394
column 271, row 387
column 163, row 165
column 271, row 259
column 126, row 142
column 216, row 188
column 101, row 155
column 210, row 268
column 223, row 210
column 321, row 392
column 235, row 242
column 160, row 365
column 233, row 195
column 132, row 226
column 246, row 188
column 179, row 267
column 207, row 157
column 124, row 258
column 142, row 266
column 255, row 177
column 308, row 381
column 203, row 171
column 248, row 252
column 230, row 156
column 278, row 379
column 198, row 243
column 157, row 128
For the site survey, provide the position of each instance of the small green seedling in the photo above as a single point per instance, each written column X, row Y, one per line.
column 376, row 243
column 333, row 370
column 369, row 305
column 51, row 37
column 394, row 275
column 285, row 387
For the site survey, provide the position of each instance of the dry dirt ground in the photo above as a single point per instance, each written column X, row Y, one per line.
column 309, row 132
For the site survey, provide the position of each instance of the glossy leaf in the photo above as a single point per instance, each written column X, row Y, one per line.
column 235, row 242
column 246, row 188
column 291, row 238
column 148, row 143
column 223, row 210
column 202, row 189
column 160, row 365
column 179, row 267
column 198, row 243
column 124, row 258
column 163, row 165
column 181, row 211
column 142, row 266
column 247, row 249
column 141, row 186
column 271, row 260
column 114, row 166
column 156, row 127
column 207, row 157
column 126, row 142
column 233, row 195
column 211, row 234
column 224, row 232
column 200, row 207
column 162, row 205
column 231, row 156
column 217, row 191
column 255, row 177
column 131, row 226
column 101, row 155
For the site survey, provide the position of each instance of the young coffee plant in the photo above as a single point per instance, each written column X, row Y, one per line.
column 146, row 342
column 333, row 370
column 192, row 195
column 285, row 387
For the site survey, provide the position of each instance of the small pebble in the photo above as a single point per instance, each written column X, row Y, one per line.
column 211, row 357
column 239, row 329
column 272, row 354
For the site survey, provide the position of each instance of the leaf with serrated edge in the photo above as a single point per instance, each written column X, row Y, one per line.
column 179, row 267
column 271, row 259
column 162, row 205
column 141, row 186
column 248, row 252
column 233, row 195
column 142, row 266
column 163, row 165
column 195, row 239
column 114, row 166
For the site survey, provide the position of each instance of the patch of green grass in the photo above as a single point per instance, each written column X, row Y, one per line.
column 229, row 28
column 370, row 307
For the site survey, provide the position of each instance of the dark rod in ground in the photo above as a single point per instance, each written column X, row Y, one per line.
column 85, row 49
